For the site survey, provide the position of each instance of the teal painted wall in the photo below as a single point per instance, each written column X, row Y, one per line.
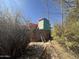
column 46, row 25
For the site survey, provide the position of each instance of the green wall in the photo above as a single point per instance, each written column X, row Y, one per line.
column 46, row 25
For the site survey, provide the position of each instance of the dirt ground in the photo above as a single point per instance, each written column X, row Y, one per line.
column 48, row 50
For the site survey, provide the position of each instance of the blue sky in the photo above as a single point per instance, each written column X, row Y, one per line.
column 35, row 9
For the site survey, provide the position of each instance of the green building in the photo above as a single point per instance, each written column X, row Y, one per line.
column 44, row 24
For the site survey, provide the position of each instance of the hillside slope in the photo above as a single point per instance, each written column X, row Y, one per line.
column 48, row 50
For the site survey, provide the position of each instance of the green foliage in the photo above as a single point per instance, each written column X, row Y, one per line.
column 69, row 33
column 57, row 31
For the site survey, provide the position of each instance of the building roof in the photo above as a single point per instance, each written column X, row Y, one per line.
column 43, row 19
column 32, row 25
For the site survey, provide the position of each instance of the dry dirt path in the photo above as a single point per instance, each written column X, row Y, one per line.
column 49, row 50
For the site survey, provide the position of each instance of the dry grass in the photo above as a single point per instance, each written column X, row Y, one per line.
column 55, row 51
column 13, row 36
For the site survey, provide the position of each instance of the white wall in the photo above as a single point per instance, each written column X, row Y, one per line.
column 41, row 24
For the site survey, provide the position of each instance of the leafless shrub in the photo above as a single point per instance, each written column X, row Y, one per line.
column 14, row 36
